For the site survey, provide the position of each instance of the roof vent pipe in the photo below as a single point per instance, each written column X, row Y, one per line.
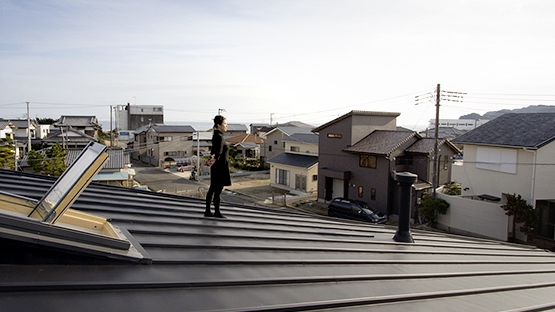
column 405, row 181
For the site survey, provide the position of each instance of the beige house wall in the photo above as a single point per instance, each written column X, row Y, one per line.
column 477, row 181
column 544, row 174
column 311, row 186
column 158, row 150
column 304, row 148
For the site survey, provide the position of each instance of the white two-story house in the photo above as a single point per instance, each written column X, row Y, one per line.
column 296, row 169
column 512, row 154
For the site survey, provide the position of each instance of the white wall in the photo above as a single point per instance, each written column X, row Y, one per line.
column 311, row 186
column 544, row 186
column 483, row 181
column 304, row 148
column 474, row 217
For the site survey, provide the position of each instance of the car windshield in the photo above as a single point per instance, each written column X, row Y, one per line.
column 372, row 213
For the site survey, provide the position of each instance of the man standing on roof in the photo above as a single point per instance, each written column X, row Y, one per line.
column 219, row 167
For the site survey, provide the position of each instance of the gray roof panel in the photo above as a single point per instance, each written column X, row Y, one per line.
column 532, row 130
column 296, row 160
column 263, row 259
column 381, row 142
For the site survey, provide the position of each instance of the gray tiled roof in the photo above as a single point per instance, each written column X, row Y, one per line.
column 18, row 123
column 296, row 160
column 262, row 259
column 77, row 121
column 311, row 138
column 427, row 146
column 291, row 130
column 237, row 127
column 532, row 130
column 173, row 129
column 59, row 136
column 381, row 142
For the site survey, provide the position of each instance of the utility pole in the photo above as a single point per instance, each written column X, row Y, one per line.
column 28, row 130
column 434, row 170
column 197, row 178
column 111, row 130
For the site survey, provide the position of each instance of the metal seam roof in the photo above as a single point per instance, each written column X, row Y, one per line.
column 264, row 259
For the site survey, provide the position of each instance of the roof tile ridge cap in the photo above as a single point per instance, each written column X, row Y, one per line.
column 413, row 133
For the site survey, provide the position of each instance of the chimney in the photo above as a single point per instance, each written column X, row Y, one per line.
column 405, row 181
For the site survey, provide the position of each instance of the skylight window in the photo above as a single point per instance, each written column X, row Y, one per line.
column 50, row 222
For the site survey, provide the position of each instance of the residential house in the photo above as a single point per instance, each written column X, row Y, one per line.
column 296, row 169
column 116, row 171
column 22, row 129
column 247, row 145
column 6, row 129
column 360, row 152
column 161, row 145
column 235, row 130
column 275, row 139
column 512, row 154
column 203, row 142
column 443, row 132
column 68, row 138
column 260, row 129
column 86, row 124
column 122, row 249
column 23, row 132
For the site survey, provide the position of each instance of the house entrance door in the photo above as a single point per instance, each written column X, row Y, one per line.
column 300, row 182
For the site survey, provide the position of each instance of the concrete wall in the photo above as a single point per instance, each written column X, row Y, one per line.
column 474, row 218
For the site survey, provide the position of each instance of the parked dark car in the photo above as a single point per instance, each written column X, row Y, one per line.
column 355, row 210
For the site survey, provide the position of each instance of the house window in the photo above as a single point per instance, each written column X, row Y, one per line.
column 373, row 194
column 269, row 148
column 368, row 161
column 546, row 213
column 314, row 177
column 360, row 191
column 295, row 149
column 445, row 162
column 334, row 136
column 496, row 159
column 185, row 138
column 166, row 139
column 275, row 142
column 404, row 160
column 282, row 177
column 170, row 153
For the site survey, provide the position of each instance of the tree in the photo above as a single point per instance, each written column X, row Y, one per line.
column 45, row 121
column 7, row 153
column 52, row 162
column 431, row 208
column 452, row 188
column 522, row 212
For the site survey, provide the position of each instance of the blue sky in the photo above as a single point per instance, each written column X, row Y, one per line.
column 293, row 60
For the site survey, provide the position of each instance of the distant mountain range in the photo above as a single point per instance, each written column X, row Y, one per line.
column 529, row 109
